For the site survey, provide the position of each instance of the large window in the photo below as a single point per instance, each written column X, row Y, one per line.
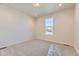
column 49, row 25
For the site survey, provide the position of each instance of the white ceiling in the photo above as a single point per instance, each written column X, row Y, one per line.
column 44, row 9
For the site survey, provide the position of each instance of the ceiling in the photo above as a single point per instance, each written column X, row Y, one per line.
column 42, row 10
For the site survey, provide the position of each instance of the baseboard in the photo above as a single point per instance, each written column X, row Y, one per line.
column 57, row 42
column 3, row 48
column 14, row 43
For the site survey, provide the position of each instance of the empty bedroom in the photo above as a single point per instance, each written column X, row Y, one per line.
column 39, row 29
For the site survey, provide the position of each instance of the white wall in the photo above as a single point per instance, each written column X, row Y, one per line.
column 76, row 28
column 15, row 26
column 63, row 27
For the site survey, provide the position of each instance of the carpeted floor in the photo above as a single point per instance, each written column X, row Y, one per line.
column 35, row 48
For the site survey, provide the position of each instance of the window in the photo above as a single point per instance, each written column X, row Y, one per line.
column 49, row 25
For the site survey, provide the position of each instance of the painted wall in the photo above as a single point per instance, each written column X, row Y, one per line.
column 76, row 28
column 15, row 26
column 63, row 27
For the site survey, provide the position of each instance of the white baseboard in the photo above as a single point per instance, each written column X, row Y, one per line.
column 57, row 42
column 14, row 43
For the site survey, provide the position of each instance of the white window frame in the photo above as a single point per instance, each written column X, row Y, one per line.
column 49, row 25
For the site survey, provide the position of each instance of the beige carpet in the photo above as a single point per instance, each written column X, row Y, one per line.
column 35, row 48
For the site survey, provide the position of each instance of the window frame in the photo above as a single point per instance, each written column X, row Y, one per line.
column 51, row 26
